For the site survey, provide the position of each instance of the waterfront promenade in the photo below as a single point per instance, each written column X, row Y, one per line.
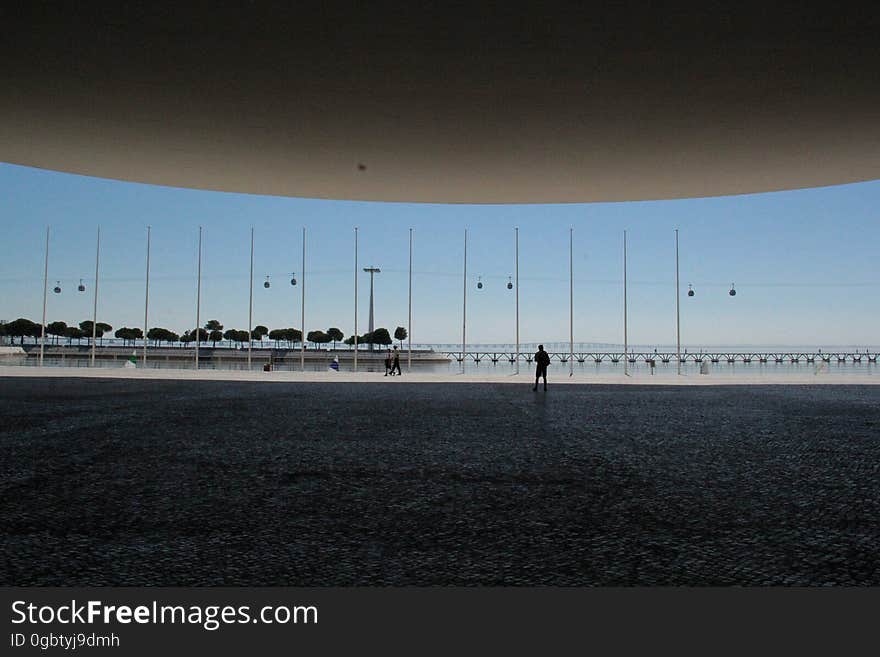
column 558, row 375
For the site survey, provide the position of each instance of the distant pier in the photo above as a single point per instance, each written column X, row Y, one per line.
column 220, row 355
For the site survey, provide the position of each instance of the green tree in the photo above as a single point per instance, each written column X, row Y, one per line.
column 100, row 329
column 350, row 341
column 335, row 335
column 215, row 331
column 293, row 336
column 129, row 334
column 123, row 334
column 160, row 335
column 318, row 337
column 400, row 334
column 57, row 329
column 22, row 328
column 73, row 333
column 381, row 336
column 36, row 331
column 259, row 332
column 276, row 335
column 190, row 336
column 230, row 335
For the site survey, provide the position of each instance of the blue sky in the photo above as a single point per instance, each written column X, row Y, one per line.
column 804, row 262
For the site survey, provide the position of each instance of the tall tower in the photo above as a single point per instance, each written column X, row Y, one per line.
column 371, row 270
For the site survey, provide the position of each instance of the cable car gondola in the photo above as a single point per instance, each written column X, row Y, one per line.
column 57, row 289
column 81, row 287
column 732, row 291
column 509, row 282
column 266, row 283
column 293, row 278
column 690, row 290
column 479, row 282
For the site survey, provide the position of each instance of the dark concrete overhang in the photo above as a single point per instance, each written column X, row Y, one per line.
column 477, row 104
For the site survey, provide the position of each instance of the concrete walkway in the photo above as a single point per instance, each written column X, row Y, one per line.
column 689, row 379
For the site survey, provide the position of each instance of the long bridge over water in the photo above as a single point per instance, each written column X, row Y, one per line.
column 478, row 356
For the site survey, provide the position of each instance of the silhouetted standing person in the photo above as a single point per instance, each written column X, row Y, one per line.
column 395, row 363
column 542, row 360
column 388, row 364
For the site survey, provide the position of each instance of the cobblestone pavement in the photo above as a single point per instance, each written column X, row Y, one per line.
column 233, row 483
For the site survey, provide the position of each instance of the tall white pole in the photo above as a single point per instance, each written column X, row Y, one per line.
column 516, row 240
column 677, row 312
column 355, row 298
column 198, row 297
column 409, row 318
column 251, row 303
column 147, row 296
column 371, row 325
column 302, row 348
column 625, row 336
column 45, row 291
column 571, row 301
column 95, row 308
column 464, row 306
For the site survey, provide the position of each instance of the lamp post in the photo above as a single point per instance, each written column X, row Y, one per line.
column 198, row 296
column 95, row 308
column 355, row 298
column 45, row 290
column 464, row 306
column 677, row 311
column 251, row 302
column 516, row 242
column 302, row 349
column 409, row 305
column 147, row 295
column 571, row 301
column 371, row 271
column 625, row 337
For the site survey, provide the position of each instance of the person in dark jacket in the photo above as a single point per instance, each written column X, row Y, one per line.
column 395, row 362
column 388, row 364
column 542, row 360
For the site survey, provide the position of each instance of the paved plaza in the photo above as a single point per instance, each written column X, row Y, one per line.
column 126, row 481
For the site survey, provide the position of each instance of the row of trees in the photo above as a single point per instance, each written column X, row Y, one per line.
column 212, row 332
column 24, row 328
column 380, row 336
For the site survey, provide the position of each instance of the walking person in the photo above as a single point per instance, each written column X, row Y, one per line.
column 388, row 364
column 542, row 360
column 395, row 363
